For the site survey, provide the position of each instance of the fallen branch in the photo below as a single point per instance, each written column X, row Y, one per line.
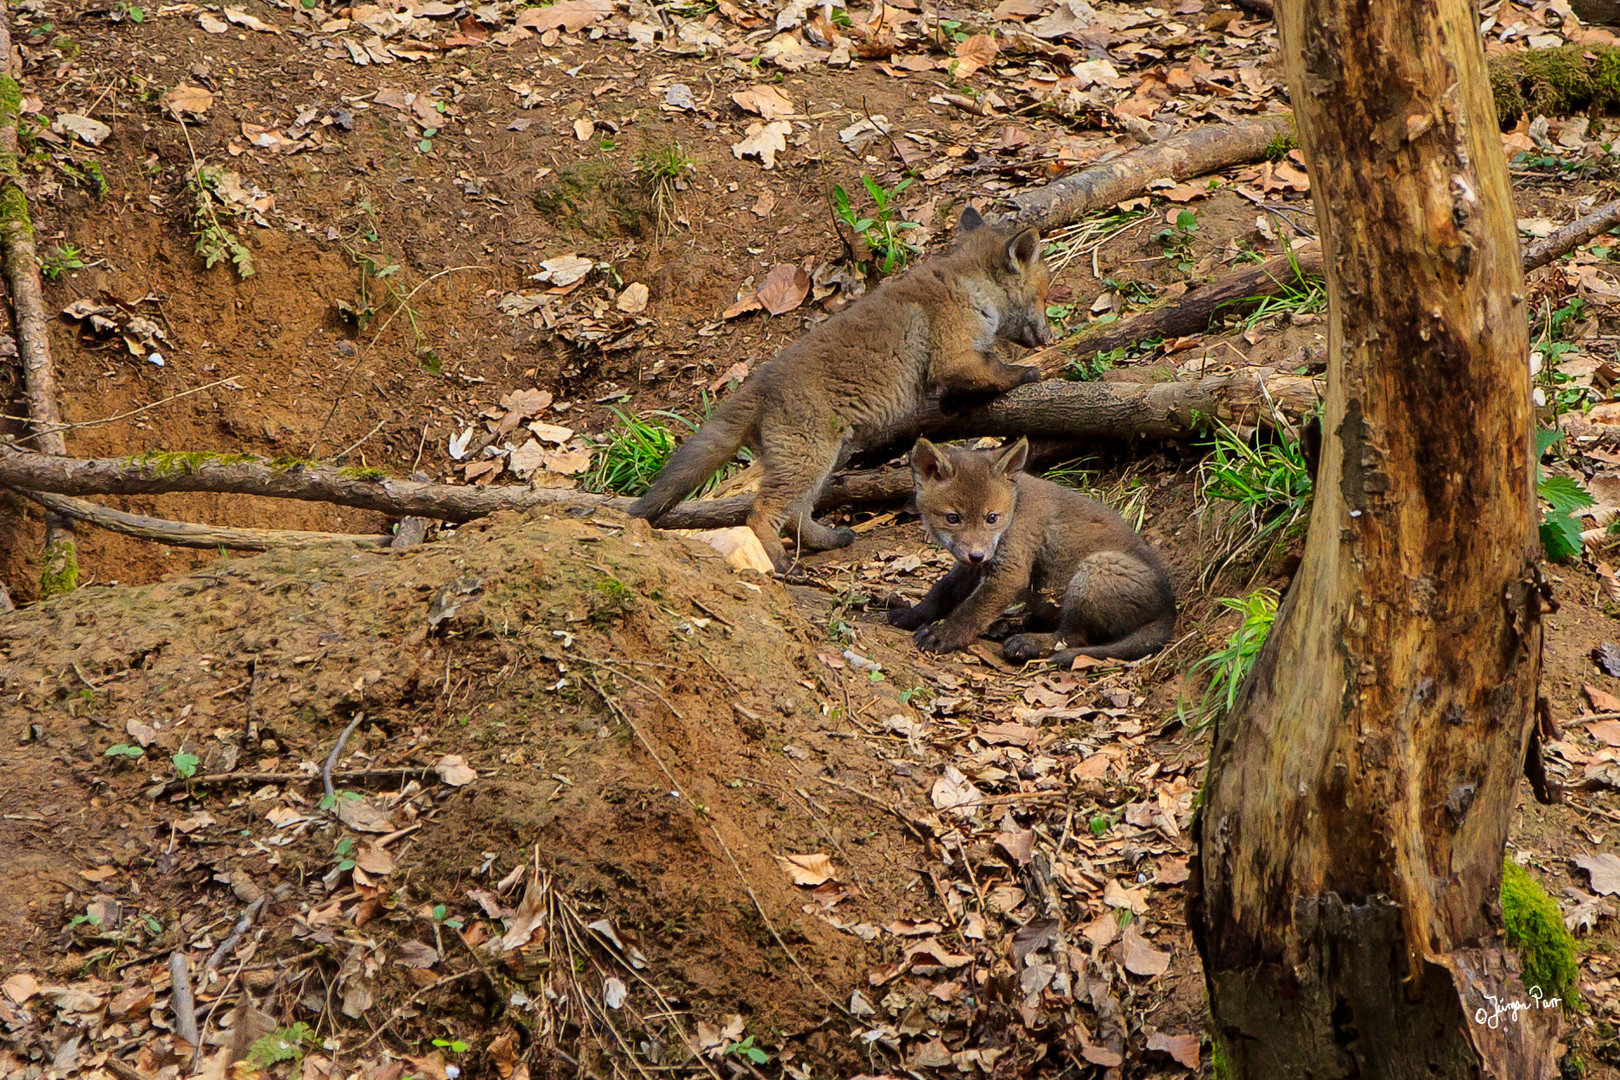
column 1052, row 409
column 20, row 262
column 353, row 776
column 1239, row 292
column 186, row 534
column 180, row 1000
column 1184, row 155
column 1562, row 241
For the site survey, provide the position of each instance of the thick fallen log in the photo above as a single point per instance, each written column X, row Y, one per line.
column 1195, row 152
column 1053, row 409
column 186, row 534
column 20, row 264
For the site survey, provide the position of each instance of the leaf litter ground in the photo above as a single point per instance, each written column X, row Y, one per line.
column 611, row 806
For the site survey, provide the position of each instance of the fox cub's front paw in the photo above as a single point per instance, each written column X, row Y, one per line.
column 940, row 638
column 907, row 618
column 1027, row 373
column 1021, row 648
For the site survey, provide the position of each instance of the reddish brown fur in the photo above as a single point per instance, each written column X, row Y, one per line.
column 857, row 380
column 1087, row 575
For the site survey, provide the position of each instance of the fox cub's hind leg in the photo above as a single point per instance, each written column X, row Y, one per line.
column 1115, row 607
column 795, row 467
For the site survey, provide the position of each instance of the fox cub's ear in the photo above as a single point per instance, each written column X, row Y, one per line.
column 971, row 219
column 930, row 463
column 1024, row 250
column 1011, row 459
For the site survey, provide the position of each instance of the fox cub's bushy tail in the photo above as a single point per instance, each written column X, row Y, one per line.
column 700, row 456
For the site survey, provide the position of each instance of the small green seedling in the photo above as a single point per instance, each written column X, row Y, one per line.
column 124, row 750
column 881, row 232
column 61, row 259
column 1176, row 240
column 185, row 765
column 455, row 1046
column 747, row 1049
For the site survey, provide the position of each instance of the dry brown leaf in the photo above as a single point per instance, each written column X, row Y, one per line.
column 913, row 928
column 808, row 870
column 453, row 770
column 1171, row 871
column 1605, row 731
column 1602, row 700
column 784, row 288
column 362, row 815
column 1117, row 895
column 1139, row 957
column 20, row 987
column 374, row 860
column 1018, row 844
column 187, row 99
column 414, row 954
column 1019, row 9
column 763, row 141
column 570, row 15
column 976, row 52
column 956, row 793
column 1102, row 931
column 1604, row 871
column 931, row 953
column 765, row 101
column 764, row 204
column 526, row 403
column 633, row 300
column 1184, row 1048
column 583, row 128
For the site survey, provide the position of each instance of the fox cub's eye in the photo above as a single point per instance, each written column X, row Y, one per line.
column 990, row 519
column 953, row 519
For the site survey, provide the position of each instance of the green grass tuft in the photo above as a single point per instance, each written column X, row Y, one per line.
column 1229, row 665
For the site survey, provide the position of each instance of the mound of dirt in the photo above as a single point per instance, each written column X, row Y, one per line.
column 640, row 719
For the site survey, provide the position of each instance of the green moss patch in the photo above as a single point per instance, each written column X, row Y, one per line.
column 61, row 572
column 1535, row 927
column 1556, row 82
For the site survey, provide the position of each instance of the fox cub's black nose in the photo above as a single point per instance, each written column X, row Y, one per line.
column 976, row 556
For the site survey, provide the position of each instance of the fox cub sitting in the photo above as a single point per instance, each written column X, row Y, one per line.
column 1085, row 572
column 857, row 381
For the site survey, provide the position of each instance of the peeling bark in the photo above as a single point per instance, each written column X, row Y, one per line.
column 1359, row 795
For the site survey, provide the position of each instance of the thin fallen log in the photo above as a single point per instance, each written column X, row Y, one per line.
column 1195, row 311
column 186, row 534
column 1239, row 292
column 1052, row 409
column 1184, row 155
column 1560, row 242
column 20, row 264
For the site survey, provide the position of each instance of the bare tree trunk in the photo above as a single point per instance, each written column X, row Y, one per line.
column 60, row 572
column 1359, row 795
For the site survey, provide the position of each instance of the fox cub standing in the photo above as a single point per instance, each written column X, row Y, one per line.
column 856, row 381
column 1086, row 573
